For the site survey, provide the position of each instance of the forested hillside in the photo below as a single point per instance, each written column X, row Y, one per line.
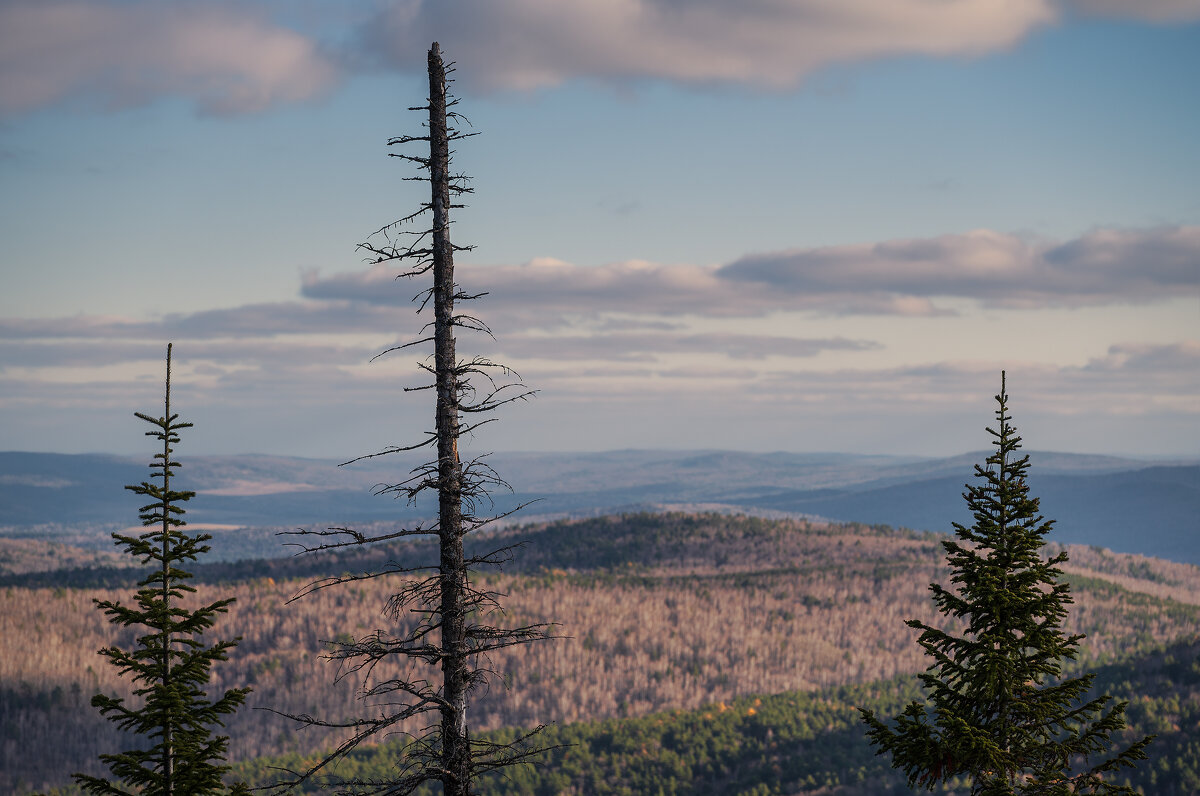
column 659, row 613
column 805, row 742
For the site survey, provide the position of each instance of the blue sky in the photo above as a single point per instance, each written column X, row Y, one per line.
column 771, row 225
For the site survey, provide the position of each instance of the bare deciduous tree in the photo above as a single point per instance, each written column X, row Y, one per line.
column 443, row 619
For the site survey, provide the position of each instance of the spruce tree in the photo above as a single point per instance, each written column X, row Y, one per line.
column 999, row 710
column 170, row 665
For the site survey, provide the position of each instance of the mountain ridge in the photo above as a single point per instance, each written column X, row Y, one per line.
column 1100, row 500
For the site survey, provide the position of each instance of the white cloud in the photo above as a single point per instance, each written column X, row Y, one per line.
column 230, row 58
column 220, row 56
column 527, row 44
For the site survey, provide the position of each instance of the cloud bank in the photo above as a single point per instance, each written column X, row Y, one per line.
column 773, row 44
column 1102, row 267
column 638, row 348
column 765, row 44
column 231, row 58
column 897, row 277
column 224, row 58
column 624, row 302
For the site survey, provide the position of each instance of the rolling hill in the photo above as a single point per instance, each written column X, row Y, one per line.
column 680, row 618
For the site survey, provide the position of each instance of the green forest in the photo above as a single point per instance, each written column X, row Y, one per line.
column 802, row 742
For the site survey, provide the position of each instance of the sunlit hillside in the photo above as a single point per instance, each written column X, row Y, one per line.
column 655, row 612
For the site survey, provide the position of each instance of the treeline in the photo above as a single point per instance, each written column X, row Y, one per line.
column 674, row 541
column 709, row 608
column 612, row 543
column 32, row 557
column 671, row 541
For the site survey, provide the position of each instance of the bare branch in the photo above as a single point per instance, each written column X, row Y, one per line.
column 441, row 619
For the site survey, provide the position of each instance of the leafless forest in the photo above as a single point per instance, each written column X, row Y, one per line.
column 677, row 611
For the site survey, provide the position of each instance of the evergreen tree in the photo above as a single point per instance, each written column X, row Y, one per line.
column 170, row 665
column 999, row 710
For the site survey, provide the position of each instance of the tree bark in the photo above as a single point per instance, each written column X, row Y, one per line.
column 168, row 762
column 456, row 750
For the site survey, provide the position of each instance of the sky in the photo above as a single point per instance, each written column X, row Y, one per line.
column 762, row 225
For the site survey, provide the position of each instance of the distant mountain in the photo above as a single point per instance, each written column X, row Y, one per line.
column 1127, row 505
column 52, row 488
column 1154, row 511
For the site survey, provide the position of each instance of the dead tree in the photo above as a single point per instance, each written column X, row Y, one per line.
column 450, row 633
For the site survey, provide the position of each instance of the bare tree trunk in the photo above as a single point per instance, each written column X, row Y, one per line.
column 168, row 761
column 456, row 748
column 441, row 597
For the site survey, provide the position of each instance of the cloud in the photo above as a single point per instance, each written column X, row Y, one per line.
column 223, row 359
column 1145, row 262
column 1160, row 11
column 1102, row 267
column 222, row 57
column 84, row 353
column 648, row 347
column 774, row 44
column 898, row 277
column 75, row 354
column 232, row 58
column 1132, row 379
column 1181, row 358
column 306, row 396
column 546, row 293
column 548, row 309
column 727, row 348
column 1110, row 404
column 248, row 320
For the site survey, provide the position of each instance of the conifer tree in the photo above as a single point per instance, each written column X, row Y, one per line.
column 170, row 665
column 999, row 710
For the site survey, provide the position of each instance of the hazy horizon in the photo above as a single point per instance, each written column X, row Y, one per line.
column 1165, row 458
